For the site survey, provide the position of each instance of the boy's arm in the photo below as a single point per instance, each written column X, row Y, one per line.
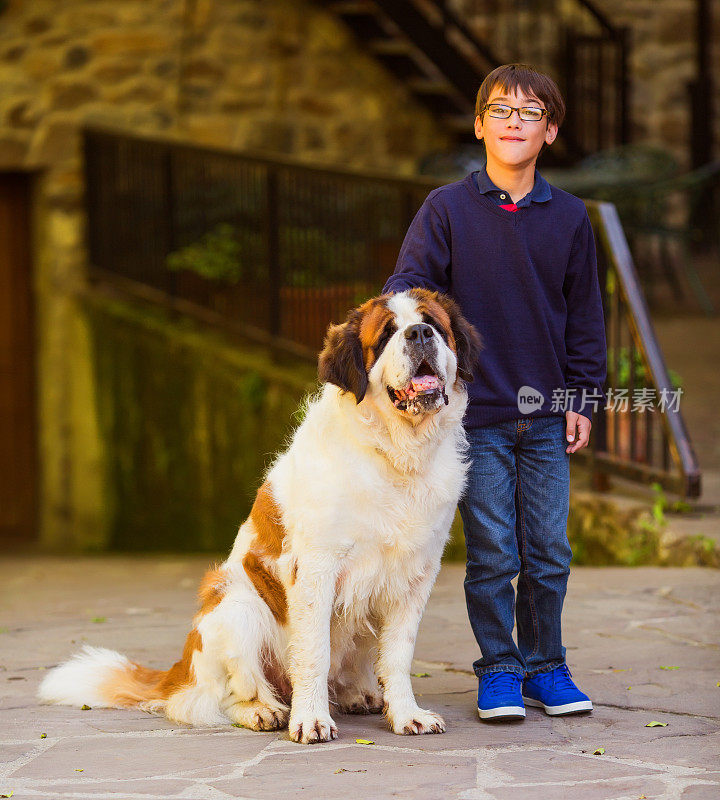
column 424, row 258
column 585, row 327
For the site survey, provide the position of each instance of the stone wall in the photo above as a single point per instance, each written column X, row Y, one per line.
column 663, row 61
column 281, row 76
column 187, row 426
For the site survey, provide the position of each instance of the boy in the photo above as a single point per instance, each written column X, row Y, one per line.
column 519, row 257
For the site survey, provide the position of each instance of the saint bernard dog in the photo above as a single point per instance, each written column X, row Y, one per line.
column 320, row 600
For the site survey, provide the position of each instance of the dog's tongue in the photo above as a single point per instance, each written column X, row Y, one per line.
column 424, row 383
column 420, row 385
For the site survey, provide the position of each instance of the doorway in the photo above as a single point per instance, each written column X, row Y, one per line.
column 18, row 428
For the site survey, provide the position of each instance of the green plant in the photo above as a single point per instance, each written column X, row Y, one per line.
column 309, row 255
column 622, row 369
column 215, row 256
column 691, row 551
column 660, row 505
column 253, row 391
column 680, row 507
column 602, row 534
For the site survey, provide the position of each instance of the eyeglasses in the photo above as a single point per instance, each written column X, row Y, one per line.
column 527, row 113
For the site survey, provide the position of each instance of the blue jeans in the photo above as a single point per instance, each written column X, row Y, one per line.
column 514, row 512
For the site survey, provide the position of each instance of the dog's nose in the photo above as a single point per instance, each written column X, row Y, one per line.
column 420, row 333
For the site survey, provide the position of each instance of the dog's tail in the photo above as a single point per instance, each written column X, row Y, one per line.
column 102, row 678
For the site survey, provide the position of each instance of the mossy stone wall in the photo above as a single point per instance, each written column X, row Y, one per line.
column 188, row 425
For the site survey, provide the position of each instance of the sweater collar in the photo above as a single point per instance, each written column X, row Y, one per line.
column 540, row 192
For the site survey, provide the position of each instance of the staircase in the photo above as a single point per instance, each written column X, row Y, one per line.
column 443, row 49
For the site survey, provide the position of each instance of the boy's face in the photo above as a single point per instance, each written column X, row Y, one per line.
column 513, row 142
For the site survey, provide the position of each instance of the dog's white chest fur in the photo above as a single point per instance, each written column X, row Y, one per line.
column 378, row 527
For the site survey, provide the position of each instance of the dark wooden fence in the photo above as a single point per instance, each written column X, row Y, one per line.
column 277, row 250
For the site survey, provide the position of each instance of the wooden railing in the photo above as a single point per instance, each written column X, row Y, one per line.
column 276, row 250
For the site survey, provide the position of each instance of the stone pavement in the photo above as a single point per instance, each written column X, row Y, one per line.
column 622, row 627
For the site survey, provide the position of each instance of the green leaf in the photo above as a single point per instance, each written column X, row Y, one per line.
column 669, row 667
column 86, row 708
column 8, row 795
column 599, row 751
column 420, row 674
column 99, row 619
column 43, row 735
column 656, row 724
column 364, row 741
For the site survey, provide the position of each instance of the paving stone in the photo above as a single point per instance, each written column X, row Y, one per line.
column 627, row 726
column 161, row 787
column 700, row 792
column 11, row 752
column 611, row 790
column 362, row 771
column 534, row 766
column 712, row 776
column 30, row 721
column 686, row 751
column 133, row 756
column 464, row 731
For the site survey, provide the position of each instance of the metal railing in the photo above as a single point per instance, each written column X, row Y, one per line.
column 632, row 436
column 277, row 250
column 284, row 248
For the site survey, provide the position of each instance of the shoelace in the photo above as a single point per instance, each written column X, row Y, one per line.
column 559, row 677
column 500, row 682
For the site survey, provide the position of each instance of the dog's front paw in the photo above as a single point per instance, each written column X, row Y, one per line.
column 258, row 717
column 312, row 728
column 361, row 702
column 415, row 722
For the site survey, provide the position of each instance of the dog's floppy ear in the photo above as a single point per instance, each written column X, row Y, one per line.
column 341, row 360
column 467, row 340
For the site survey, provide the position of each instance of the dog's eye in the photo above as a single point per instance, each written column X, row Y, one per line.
column 387, row 332
column 435, row 324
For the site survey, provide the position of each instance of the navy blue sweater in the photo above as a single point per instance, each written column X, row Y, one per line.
column 527, row 279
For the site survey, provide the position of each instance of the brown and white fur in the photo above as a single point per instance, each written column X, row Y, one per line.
column 321, row 596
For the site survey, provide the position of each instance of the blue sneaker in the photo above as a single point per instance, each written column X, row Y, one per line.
column 499, row 696
column 555, row 692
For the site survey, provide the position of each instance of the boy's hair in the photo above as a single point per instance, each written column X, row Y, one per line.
column 509, row 77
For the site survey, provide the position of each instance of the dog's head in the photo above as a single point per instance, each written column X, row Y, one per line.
column 404, row 349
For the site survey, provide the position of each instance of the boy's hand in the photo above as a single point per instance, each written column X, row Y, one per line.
column 577, row 431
